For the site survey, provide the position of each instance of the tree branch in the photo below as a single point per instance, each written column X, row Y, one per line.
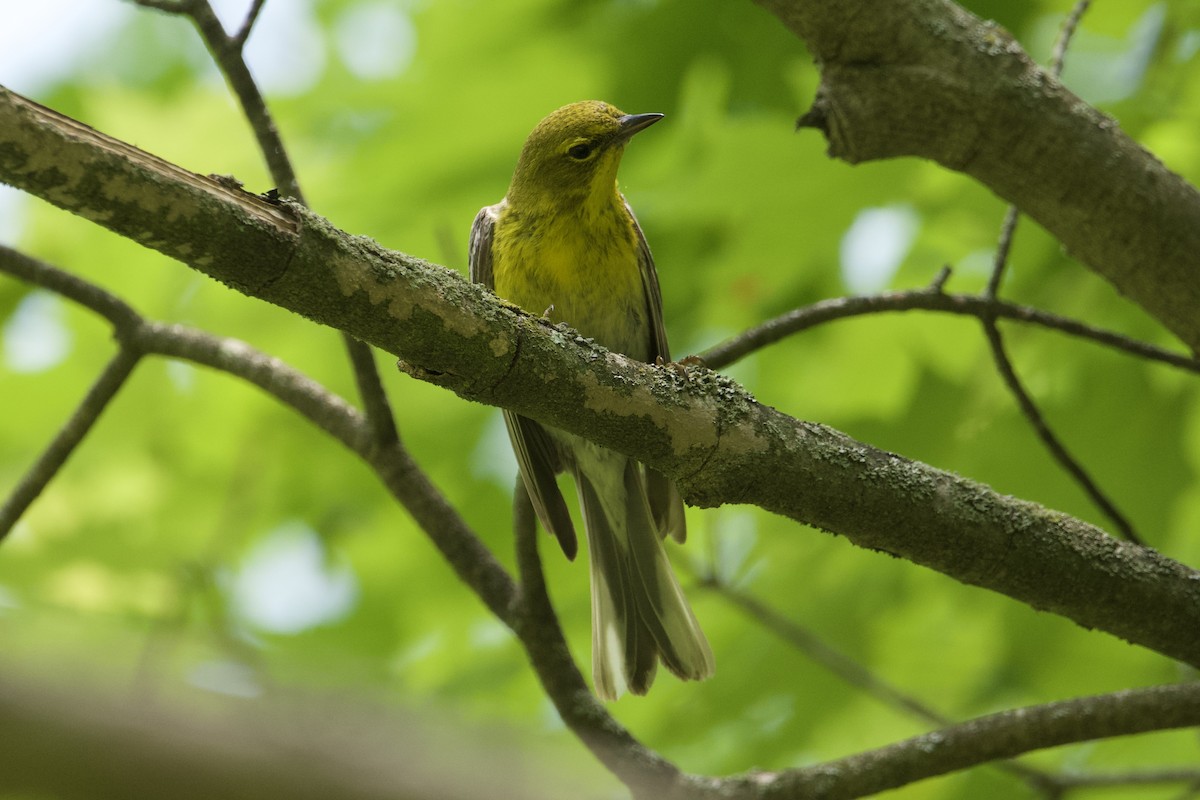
column 1057, row 449
column 239, row 39
column 930, row 298
column 101, row 393
column 926, row 78
column 996, row 736
column 820, row 652
column 226, row 52
column 715, row 440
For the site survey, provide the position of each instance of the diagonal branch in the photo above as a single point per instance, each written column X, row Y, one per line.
column 1050, row 439
column 370, row 389
column 818, row 651
column 98, row 397
column 1065, row 35
column 704, row 431
column 226, row 51
column 239, row 38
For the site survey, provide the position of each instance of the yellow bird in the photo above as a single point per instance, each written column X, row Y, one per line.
column 564, row 241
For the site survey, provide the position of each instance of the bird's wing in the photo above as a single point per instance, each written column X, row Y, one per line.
column 658, row 332
column 665, row 502
column 479, row 254
column 537, row 456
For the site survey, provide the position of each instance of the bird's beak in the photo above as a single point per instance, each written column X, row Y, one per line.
column 632, row 123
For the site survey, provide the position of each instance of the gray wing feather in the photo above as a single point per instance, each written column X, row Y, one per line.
column 537, row 456
column 665, row 502
column 479, row 255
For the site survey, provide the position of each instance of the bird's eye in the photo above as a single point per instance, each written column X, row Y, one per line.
column 580, row 152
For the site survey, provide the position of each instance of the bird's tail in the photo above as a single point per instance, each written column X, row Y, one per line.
column 639, row 612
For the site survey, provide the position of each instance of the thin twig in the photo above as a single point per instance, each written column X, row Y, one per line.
column 31, row 270
column 854, row 673
column 370, row 389
column 124, row 320
column 1007, row 229
column 1070, row 25
column 1147, row 777
column 463, row 550
column 68, row 438
column 228, row 56
column 239, row 39
column 822, row 653
column 1057, row 449
column 927, row 299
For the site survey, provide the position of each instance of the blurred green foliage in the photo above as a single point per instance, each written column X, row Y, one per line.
column 199, row 511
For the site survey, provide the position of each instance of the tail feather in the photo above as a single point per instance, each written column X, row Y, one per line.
column 682, row 646
column 666, row 505
column 622, row 657
column 639, row 612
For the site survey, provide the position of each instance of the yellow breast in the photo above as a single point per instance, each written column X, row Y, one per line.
column 581, row 269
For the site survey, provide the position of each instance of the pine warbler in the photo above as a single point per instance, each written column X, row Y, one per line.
column 563, row 241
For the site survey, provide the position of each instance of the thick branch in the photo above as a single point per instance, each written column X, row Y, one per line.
column 926, row 78
column 699, row 428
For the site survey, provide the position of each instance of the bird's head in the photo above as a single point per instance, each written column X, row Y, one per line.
column 573, row 154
